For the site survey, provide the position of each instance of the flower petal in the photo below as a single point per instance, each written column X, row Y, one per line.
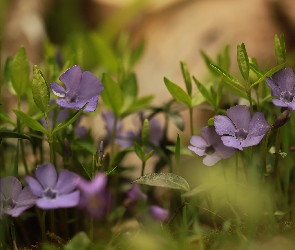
column 232, row 142
column 251, row 140
column 199, row 141
column 46, row 175
column 89, row 86
column 258, row 125
column 196, row 150
column 210, row 160
column 240, row 116
column 67, row 182
column 279, row 103
column 223, row 125
column 159, row 213
column 62, row 201
column 275, row 90
column 71, row 79
column 285, row 79
column 291, row 105
column 135, row 193
column 10, row 187
column 35, row 186
column 223, row 151
column 57, row 89
column 210, row 135
column 97, row 185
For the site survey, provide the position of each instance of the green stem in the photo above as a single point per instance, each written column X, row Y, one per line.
column 191, row 121
column 23, row 157
column 250, row 100
column 43, row 222
column 113, row 138
column 142, row 167
column 263, row 153
column 49, row 138
column 277, row 146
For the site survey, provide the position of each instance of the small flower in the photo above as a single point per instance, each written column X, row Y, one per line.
column 53, row 190
column 210, row 146
column 135, row 193
column 284, row 117
column 94, row 196
column 158, row 213
column 80, row 89
column 238, row 129
column 282, row 85
column 13, row 199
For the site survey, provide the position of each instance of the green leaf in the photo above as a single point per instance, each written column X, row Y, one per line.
column 280, row 49
column 168, row 180
column 197, row 99
column 10, row 134
column 199, row 189
column 210, row 121
column 145, row 133
column 227, row 76
column 138, row 151
column 112, row 95
column 6, row 118
column 183, row 150
column 40, row 90
column 224, row 59
column 69, row 120
column 137, row 52
column 130, row 89
column 138, row 104
column 208, row 62
column 149, row 155
column 20, row 72
column 30, row 122
column 206, row 94
column 268, row 74
column 119, row 156
column 80, row 241
column 187, row 77
column 243, row 61
column 7, row 78
column 178, row 93
column 238, row 91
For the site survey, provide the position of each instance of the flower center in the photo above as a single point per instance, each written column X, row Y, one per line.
column 287, row 97
column 71, row 99
column 210, row 150
column 241, row 134
column 8, row 204
column 50, row 193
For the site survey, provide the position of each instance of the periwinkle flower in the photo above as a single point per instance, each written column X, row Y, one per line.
column 158, row 213
column 238, row 129
column 282, row 84
column 80, row 89
column 13, row 199
column 210, row 145
column 52, row 190
column 135, row 193
column 94, row 196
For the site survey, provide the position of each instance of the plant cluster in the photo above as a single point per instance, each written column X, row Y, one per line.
column 63, row 187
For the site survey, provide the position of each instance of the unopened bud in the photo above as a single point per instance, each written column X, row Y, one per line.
column 281, row 119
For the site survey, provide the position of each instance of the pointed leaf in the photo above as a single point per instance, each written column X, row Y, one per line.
column 6, row 118
column 130, row 89
column 145, row 132
column 197, row 99
column 208, row 62
column 187, row 77
column 243, row 61
column 168, row 180
column 227, row 76
column 280, row 49
column 30, row 122
column 40, row 90
column 10, row 134
column 138, row 151
column 80, row 241
column 149, row 155
column 178, row 93
column 69, row 120
column 206, row 94
column 20, row 71
column 7, row 78
column 112, row 95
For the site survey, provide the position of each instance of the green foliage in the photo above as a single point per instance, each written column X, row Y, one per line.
column 80, row 241
column 280, row 49
column 168, row 180
column 243, row 61
column 187, row 77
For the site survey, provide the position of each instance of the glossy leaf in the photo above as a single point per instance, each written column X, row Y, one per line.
column 178, row 93
column 243, row 61
column 20, row 71
column 187, row 77
column 40, row 90
column 29, row 121
column 168, row 180
column 206, row 94
column 112, row 95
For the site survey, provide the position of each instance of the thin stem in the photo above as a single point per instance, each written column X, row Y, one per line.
column 23, row 157
column 277, row 146
column 142, row 167
column 191, row 121
column 250, row 100
column 50, row 140
column 263, row 153
column 43, row 222
column 113, row 138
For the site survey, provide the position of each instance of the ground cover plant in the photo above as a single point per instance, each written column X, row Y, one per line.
column 62, row 187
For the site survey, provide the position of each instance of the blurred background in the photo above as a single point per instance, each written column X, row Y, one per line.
column 165, row 32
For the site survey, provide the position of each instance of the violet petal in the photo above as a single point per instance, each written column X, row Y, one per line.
column 67, row 182
column 240, row 116
column 223, row 125
column 230, row 141
column 71, row 78
column 57, row 89
column 46, row 175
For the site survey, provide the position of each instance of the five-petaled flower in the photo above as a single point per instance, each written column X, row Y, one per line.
column 13, row 199
column 282, row 85
column 238, row 129
column 53, row 190
column 94, row 196
column 80, row 89
column 211, row 146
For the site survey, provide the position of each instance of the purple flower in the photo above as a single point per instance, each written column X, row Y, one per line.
column 13, row 199
column 238, row 129
column 210, row 146
column 135, row 193
column 80, row 89
column 53, row 190
column 158, row 213
column 94, row 196
column 282, row 85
